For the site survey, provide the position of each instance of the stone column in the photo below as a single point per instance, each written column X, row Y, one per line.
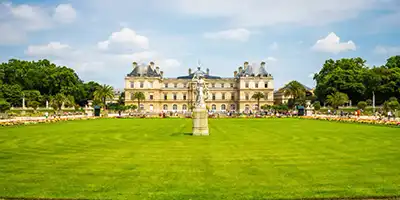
column 23, row 102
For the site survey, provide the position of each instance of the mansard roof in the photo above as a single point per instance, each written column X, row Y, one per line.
column 144, row 70
column 200, row 72
column 252, row 70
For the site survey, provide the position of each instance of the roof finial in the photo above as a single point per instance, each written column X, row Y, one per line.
column 198, row 64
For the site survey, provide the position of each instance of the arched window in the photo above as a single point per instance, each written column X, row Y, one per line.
column 175, row 107
column 213, row 107
column 141, row 107
column 151, row 107
column 247, row 107
column 165, row 107
column 223, row 107
column 184, row 107
column 233, row 107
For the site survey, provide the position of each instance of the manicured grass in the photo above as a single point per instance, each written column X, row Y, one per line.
column 157, row 159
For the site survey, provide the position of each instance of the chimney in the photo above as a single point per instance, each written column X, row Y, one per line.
column 208, row 71
column 158, row 70
column 240, row 69
column 190, row 71
column 162, row 74
column 134, row 64
column 235, row 73
column 152, row 65
column 246, row 64
column 262, row 64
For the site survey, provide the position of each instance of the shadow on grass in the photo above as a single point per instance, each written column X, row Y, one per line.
column 179, row 134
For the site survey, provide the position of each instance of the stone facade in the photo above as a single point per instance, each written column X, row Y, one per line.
column 177, row 94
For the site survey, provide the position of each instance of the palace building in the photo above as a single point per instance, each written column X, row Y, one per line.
column 177, row 94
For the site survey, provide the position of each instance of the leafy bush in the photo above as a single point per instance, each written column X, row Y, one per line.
column 4, row 106
column 362, row 105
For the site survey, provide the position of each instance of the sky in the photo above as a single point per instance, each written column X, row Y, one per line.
column 100, row 39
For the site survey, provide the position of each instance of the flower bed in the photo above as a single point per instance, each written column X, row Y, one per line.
column 355, row 120
column 42, row 121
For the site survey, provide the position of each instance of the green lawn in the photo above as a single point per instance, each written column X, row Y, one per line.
column 158, row 159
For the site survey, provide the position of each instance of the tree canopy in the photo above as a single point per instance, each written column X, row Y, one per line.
column 39, row 80
column 352, row 77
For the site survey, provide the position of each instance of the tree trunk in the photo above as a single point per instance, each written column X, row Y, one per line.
column 138, row 104
column 258, row 104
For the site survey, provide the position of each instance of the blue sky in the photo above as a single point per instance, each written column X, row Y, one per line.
column 101, row 38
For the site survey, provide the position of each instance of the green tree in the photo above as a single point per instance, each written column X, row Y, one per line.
column 362, row 105
column 337, row 99
column 139, row 96
column 391, row 105
column 103, row 93
column 257, row 96
column 4, row 106
column 12, row 94
column 121, row 98
column 317, row 106
column 345, row 75
column 58, row 101
column 34, row 104
column 294, row 90
column 32, row 95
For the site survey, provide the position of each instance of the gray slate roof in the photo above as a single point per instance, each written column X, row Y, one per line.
column 253, row 70
column 144, row 70
column 200, row 72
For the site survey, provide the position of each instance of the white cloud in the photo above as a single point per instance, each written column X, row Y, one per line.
column 52, row 49
column 332, row 44
column 239, row 34
column 17, row 21
column 271, row 12
column 126, row 38
column 274, row 46
column 64, row 13
column 387, row 50
column 271, row 59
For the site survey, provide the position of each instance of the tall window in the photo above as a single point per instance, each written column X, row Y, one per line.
column 175, row 85
column 233, row 107
column 256, row 85
column 175, row 107
column 141, row 107
column 151, row 97
column 141, row 84
column 165, row 107
column 247, row 85
column 184, row 96
column 132, row 84
column 175, row 97
column 165, row 96
column 213, row 107
column 223, row 96
column 232, row 96
column 222, row 85
column 213, row 96
column 266, row 85
column 223, row 107
column 166, row 85
column 247, row 96
column 231, row 85
column 184, row 107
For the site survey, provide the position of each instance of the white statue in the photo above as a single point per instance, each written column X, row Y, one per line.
column 201, row 91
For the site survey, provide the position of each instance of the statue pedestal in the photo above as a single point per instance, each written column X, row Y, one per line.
column 200, row 121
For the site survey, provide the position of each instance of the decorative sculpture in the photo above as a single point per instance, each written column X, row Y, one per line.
column 200, row 114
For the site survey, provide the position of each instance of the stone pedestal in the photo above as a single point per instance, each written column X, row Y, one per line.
column 200, row 122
